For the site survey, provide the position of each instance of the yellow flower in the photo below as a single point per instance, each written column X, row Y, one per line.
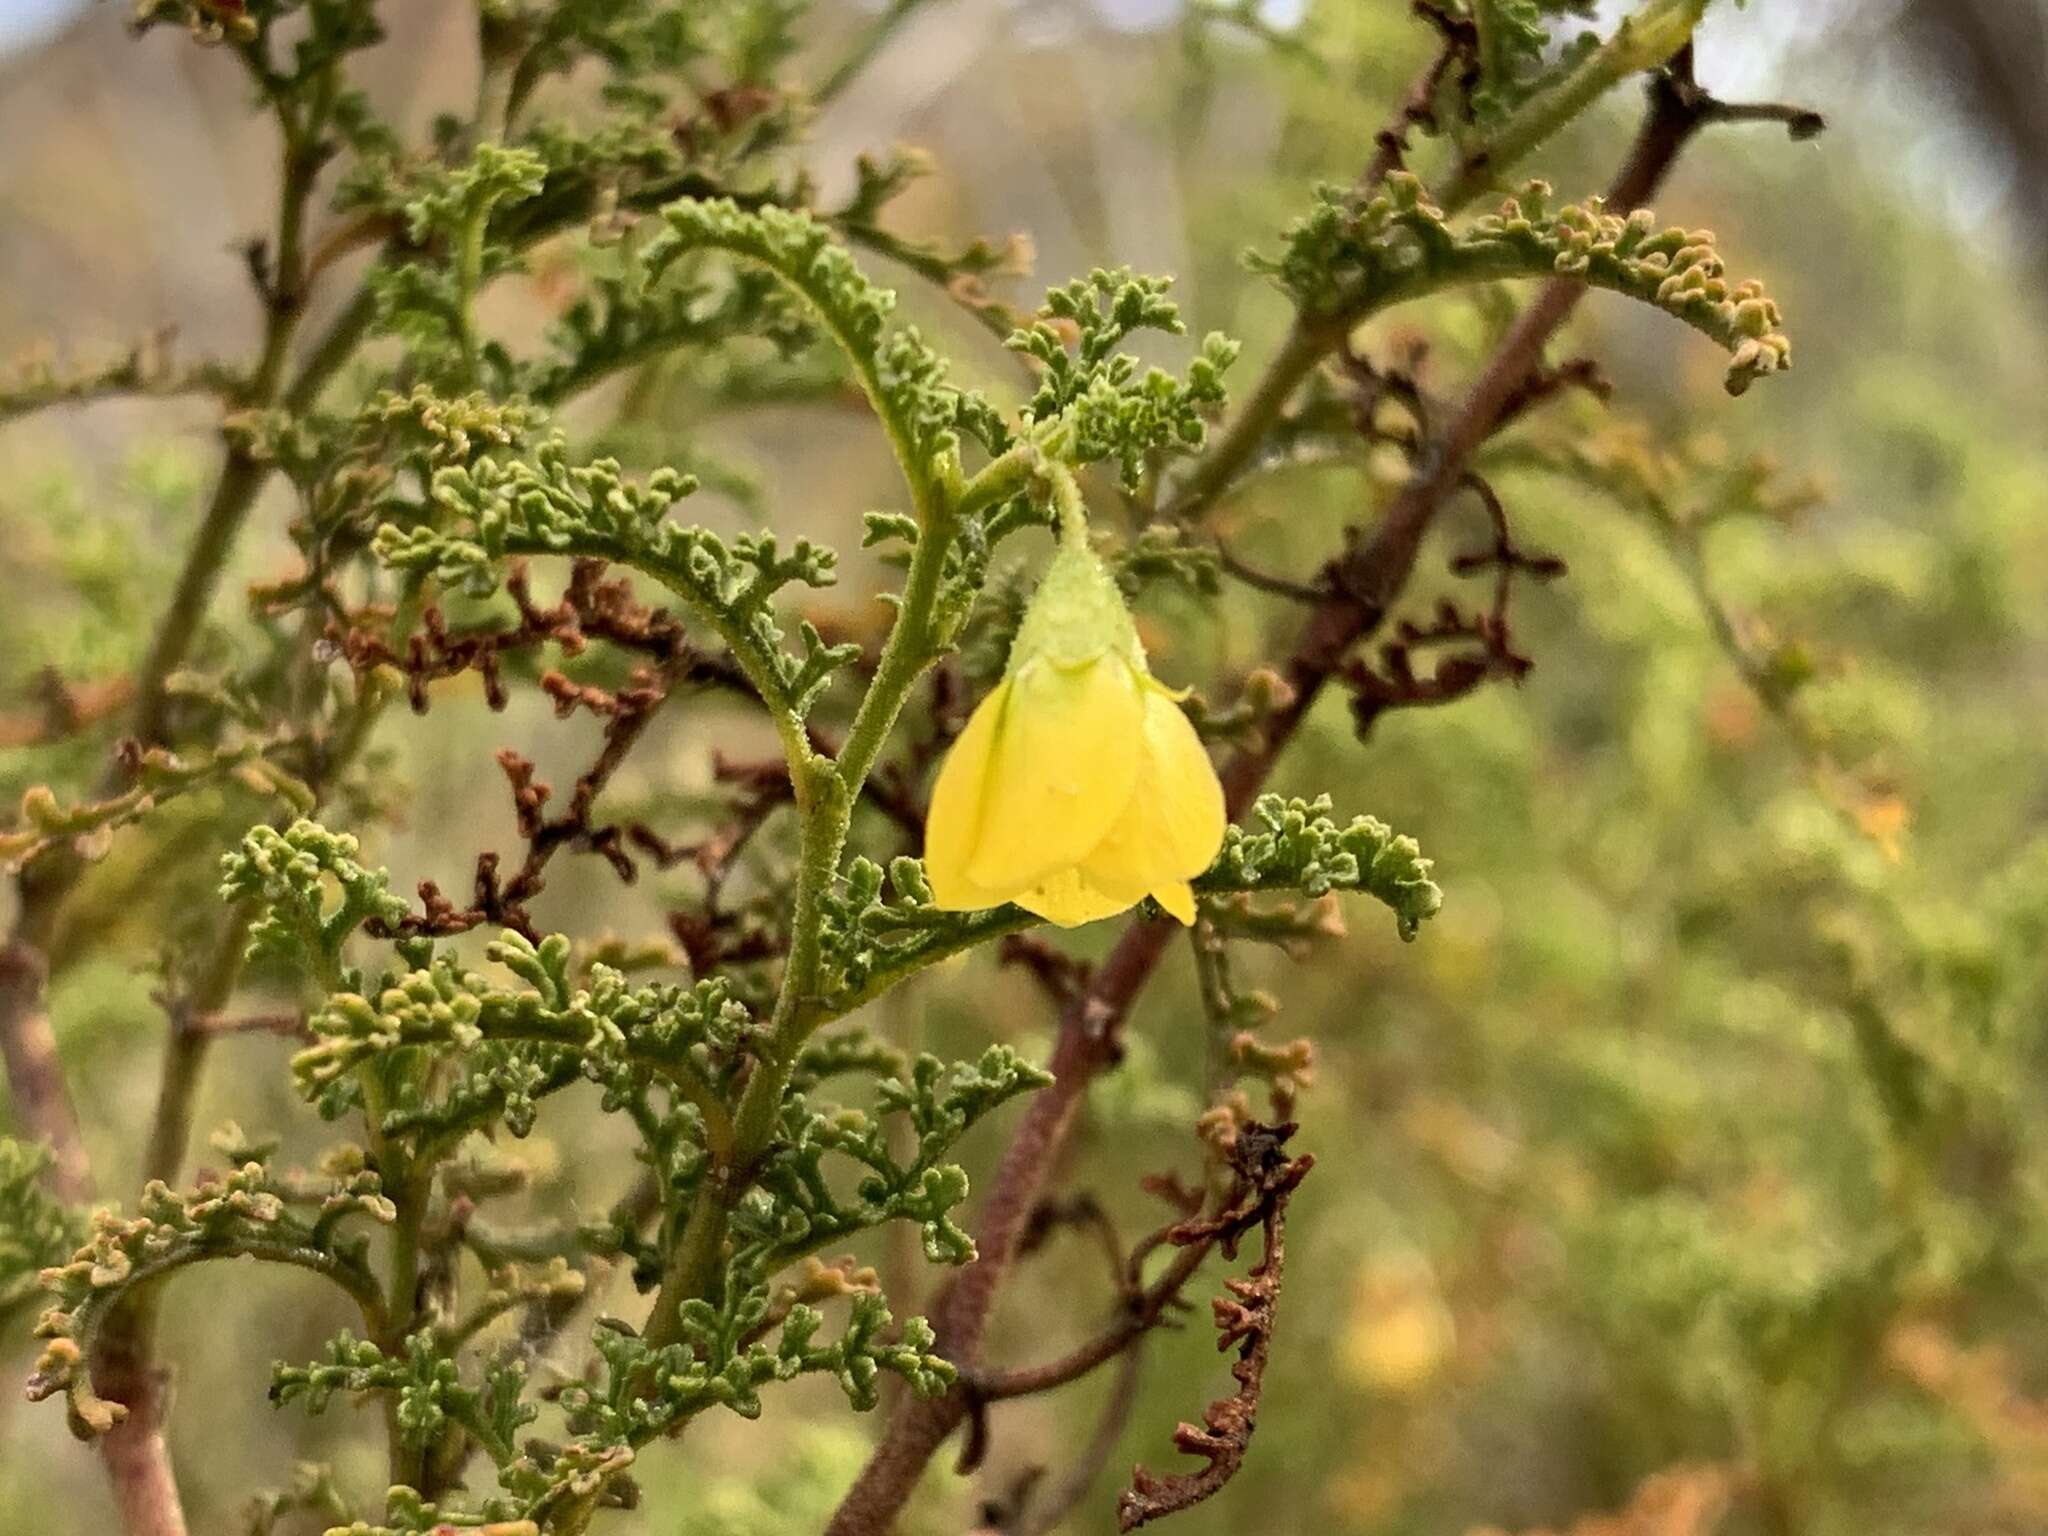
column 1401, row 1333
column 1079, row 787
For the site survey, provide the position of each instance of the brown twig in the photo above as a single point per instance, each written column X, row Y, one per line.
column 1374, row 575
column 1460, row 46
column 591, row 608
column 287, row 1023
column 35, row 1075
column 503, row 901
column 1265, row 1177
column 1142, row 1311
column 1043, row 1514
column 1062, row 977
column 1485, row 641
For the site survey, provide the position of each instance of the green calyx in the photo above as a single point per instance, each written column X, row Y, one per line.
column 1077, row 615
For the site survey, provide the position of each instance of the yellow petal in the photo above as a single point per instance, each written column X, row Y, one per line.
column 958, row 799
column 1178, row 898
column 1174, row 823
column 1066, row 898
column 1061, row 769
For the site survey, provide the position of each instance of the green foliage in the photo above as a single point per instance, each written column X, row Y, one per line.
column 800, row 1214
column 1514, row 44
column 1109, row 410
column 629, row 316
column 1352, row 256
column 428, row 305
column 313, row 893
column 1704, row 1100
column 721, row 1364
column 1296, row 845
column 515, row 1044
column 427, row 1386
column 35, row 1230
column 905, row 381
column 246, row 1213
column 547, row 505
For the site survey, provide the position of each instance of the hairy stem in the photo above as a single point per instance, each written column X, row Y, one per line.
column 1086, row 1042
column 137, row 1459
column 826, row 791
column 913, row 645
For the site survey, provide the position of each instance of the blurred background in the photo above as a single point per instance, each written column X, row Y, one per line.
column 1687, row 1174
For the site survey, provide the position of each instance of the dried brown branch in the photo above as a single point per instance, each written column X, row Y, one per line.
column 1485, row 641
column 1373, row 575
column 1044, row 1513
column 1459, row 50
column 1061, row 976
column 1265, row 581
column 591, row 608
column 1142, row 1311
column 761, row 785
column 504, row 901
column 1265, row 1178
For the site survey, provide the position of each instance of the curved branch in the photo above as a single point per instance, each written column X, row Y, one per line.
column 58, row 1370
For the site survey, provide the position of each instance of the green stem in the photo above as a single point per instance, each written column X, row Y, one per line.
column 469, row 274
column 912, row 644
column 693, row 1266
column 872, row 41
column 910, row 648
column 826, row 792
column 1308, row 341
column 1642, row 41
column 1070, row 509
column 409, row 1190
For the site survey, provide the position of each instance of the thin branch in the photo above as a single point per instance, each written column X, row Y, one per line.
column 1264, row 581
column 1266, row 1177
column 1087, row 1039
column 287, row 1023
column 1043, row 1515
column 1141, row 1313
column 873, row 39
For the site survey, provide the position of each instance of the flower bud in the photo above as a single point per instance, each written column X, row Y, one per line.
column 1079, row 787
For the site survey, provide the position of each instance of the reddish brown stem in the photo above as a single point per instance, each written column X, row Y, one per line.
column 1365, row 584
column 34, row 1074
column 1087, row 1044
column 1140, row 1316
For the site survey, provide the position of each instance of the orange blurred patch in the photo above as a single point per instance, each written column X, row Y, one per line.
column 1687, row 1500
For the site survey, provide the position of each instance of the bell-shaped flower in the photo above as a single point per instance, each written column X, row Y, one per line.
column 1079, row 786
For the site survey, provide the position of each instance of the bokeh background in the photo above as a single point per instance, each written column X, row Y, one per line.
column 1687, row 1174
